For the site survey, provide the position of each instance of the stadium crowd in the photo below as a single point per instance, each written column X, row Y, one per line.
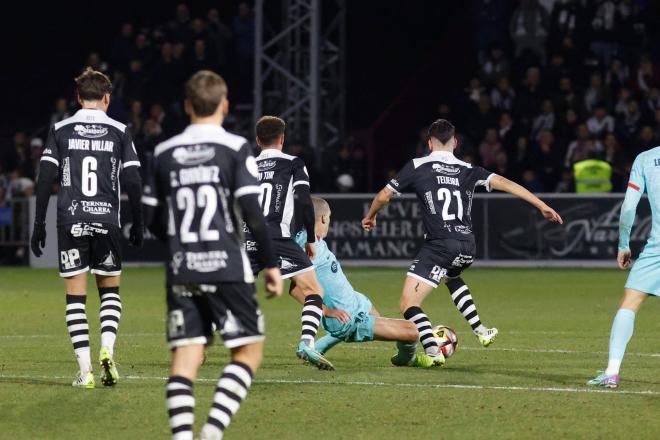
column 558, row 82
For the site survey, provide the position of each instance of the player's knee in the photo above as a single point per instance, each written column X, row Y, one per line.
column 250, row 355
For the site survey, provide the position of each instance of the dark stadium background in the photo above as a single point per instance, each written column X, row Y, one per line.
column 404, row 52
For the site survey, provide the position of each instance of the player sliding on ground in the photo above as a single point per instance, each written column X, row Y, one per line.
column 88, row 151
column 203, row 186
column 282, row 176
column 644, row 278
column 349, row 315
column 445, row 186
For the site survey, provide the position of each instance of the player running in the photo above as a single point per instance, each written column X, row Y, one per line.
column 444, row 186
column 281, row 178
column 644, row 278
column 203, row 181
column 88, row 152
column 349, row 315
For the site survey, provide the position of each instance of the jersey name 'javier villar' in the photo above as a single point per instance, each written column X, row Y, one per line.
column 90, row 149
column 279, row 174
column 444, row 186
column 199, row 175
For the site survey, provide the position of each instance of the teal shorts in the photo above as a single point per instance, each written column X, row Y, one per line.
column 359, row 329
column 645, row 273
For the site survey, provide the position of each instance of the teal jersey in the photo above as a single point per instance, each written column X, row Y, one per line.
column 338, row 293
column 644, row 177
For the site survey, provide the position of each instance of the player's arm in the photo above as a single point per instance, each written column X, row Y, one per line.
column 634, row 193
column 154, row 207
column 48, row 172
column 503, row 184
column 133, row 184
column 304, row 199
column 403, row 180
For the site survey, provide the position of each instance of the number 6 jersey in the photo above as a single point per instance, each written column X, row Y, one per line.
column 444, row 186
column 198, row 176
column 90, row 149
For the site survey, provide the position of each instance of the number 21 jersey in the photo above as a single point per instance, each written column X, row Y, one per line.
column 444, row 186
column 90, row 149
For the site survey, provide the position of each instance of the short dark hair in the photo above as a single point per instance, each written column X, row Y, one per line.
column 92, row 85
column 269, row 129
column 442, row 130
column 205, row 90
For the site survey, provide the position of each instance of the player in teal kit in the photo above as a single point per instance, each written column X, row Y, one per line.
column 644, row 278
column 350, row 316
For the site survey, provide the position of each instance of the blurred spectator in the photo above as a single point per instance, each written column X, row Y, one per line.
column 646, row 78
column 567, row 126
column 567, row 98
column 134, row 84
column 474, row 90
column 545, row 120
column 600, row 123
column 616, row 158
column 345, row 183
column 530, row 181
column 200, row 59
column 501, row 166
column 243, row 28
column 484, row 118
column 31, row 166
column 582, row 148
column 605, row 29
column 495, row 66
column 142, row 51
column 507, row 132
column 548, row 160
column 94, row 61
column 646, row 139
column 566, row 184
column 529, row 98
column 136, row 120
column 221, row 35
column 503, row 96
column 567, row 29
column 122, row 47
column 597, row 93
column 617, row 75
column 631, row 121
column 490, row 18
column 19, row 185
column 529, row 28
column 61, row 111
column 489, row 148
column 556, row 70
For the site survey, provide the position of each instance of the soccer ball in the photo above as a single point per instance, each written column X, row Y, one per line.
column 446, row 339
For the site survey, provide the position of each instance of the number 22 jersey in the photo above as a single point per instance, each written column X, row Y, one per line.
column 444, row 186
column 90, row 149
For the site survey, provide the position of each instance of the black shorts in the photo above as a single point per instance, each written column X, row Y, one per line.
column 89, row 245
column 193, row 310
column 442, row 258
column 293, row 260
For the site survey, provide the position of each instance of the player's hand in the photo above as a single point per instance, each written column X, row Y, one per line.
column 623, row 258
column 273, row 282
column 310, row 250
column 368, row 224
column 38, row 241
column 136, row 235
column 339, row 314
column 551, row 215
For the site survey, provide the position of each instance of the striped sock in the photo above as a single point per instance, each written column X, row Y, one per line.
column 231, row 391
column 417, row 316
column 110, row 314
column 463, row 300
column 181, row 407
column 76, row 323
column 311, row 318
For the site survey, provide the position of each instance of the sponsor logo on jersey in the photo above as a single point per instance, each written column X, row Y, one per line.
column 109, row 260
column 90, row 131
column 285, row 264
column 265, row 165
column 175, row 264
column 250, row 245
column 334, row 267
column 73, row 207
column 206, row 261
column 194, row 154
column 96, row 207
column 428, row 196
column 86, row 229
column 462, row 260
column 70, row 259
column 47, row 151
column 463, row 229
column 66, row 172
column 445, row 169
column 395, row 182
column 113, row 173
column 437, row 273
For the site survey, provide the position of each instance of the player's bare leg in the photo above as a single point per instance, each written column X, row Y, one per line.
column 460, row 294
column 413, row 295
column 621, row 333
column 180, row 398
column 232, row 388
column 305, row 288
column 110, row 315
column 76, row 322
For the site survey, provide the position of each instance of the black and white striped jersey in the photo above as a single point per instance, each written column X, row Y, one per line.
column 198, row 175
column 444, row 186
column 90, row 149
column 279, row 174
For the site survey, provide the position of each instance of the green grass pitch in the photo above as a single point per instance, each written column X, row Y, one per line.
column 554, row 329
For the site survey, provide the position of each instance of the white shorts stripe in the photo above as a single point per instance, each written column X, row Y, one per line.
column 114, row 273
column 150, row 201
column 50, row 159
column 199, row 340
column 131, row 163
column 423, row 280
column 73, row 273
column 239, row 342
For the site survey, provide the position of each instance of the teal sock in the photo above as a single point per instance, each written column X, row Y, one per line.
column 326, row 343
column 406, row 349
column 622, row 330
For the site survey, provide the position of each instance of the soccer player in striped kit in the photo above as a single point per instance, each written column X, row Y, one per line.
column 86, row 153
